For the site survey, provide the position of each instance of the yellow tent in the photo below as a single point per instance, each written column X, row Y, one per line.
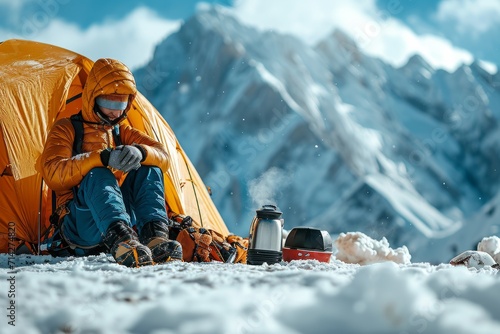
column 40, row 83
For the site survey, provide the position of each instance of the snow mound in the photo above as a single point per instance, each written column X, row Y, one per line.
column 473, row 259
column 487, row 254
column 490, row 245
column 357, row 247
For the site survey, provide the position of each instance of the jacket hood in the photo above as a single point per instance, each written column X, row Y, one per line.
column 107, row 76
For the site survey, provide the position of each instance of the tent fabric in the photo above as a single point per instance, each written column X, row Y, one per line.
column 41, row 83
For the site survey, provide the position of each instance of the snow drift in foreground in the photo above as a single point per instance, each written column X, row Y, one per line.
column 95, row 295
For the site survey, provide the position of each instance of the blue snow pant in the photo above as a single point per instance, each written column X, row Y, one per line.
column 100, row 201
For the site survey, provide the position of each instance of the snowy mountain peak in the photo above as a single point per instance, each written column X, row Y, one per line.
column 486, row 67
column 342, row 41
column 406, row 153
column 417, row 64
column 211, row 18
column 341, row 51
column 417, row 61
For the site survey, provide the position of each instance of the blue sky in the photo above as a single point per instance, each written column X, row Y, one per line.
column 445, row 32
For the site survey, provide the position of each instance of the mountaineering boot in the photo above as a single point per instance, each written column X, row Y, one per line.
column 123, row 243
column 155, row 235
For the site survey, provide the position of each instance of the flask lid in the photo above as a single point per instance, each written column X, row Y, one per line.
column 269, row 211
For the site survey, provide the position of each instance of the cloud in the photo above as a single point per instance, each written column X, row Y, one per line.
column 395, row 43
column 23, row 14
column 131, row 40
column 374, row 29
column 13, row 5
column 311, row 20
column 470, row 16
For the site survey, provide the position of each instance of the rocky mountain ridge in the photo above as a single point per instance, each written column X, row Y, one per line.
column 337, row 139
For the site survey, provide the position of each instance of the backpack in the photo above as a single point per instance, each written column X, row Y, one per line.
column 205, row 245
column 77, row 122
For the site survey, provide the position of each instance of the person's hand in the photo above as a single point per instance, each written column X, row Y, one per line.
column 125, row 158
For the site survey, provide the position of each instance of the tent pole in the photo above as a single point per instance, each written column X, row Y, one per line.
column 194, row 191
column 40, row 219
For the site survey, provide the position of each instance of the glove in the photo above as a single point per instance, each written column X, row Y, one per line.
column 125, row 158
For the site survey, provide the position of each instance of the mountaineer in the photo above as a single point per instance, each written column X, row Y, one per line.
column 109, row 183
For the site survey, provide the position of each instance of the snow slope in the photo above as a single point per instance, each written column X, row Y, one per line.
column 407, row 153
column 95, row 295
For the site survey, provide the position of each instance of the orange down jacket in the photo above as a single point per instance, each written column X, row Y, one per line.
column 62, row 171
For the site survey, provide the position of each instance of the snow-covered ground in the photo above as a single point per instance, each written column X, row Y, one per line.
column 95, row 295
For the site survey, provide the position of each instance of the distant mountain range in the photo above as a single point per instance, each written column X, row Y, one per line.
column 337, row 139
